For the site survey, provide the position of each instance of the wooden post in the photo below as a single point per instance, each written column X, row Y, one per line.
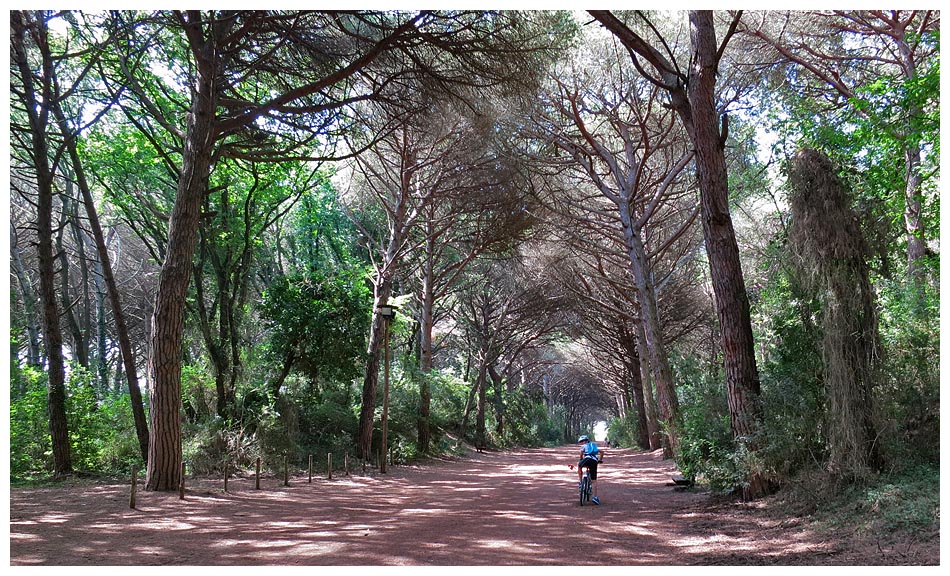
column 181, row 483
column 346, row 464
column 286, row 473
column 227, row 470
column 310, row 469
column 329, row 466
column 135, row 478
column 257, row 475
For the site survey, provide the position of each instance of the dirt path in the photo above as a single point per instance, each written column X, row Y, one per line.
column 513, row 508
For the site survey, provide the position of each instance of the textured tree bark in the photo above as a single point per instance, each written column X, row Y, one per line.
column 653, row 338
column 742, row 379
column 646, row 380
column 371, row 376
column 632, row 363
column 37, row 111
column 168, row 319
column 426, row 321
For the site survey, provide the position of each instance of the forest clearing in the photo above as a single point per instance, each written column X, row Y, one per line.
column 515, row 508
column 371, row 237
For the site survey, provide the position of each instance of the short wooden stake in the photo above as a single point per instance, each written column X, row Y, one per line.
column 329, row 466
column 310, row 469
column 227, row 471
column 181, row 483
column 286, row 473
column 346, row 464
column 257, row 475
column 135, row 482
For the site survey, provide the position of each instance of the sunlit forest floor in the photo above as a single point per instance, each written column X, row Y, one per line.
column 492, row 508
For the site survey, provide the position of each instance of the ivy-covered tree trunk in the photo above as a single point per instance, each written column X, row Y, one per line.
column 832, row 260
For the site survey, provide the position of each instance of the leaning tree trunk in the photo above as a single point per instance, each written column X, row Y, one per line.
column 667, row 401
column 112, row 289
column 732, row 301
column 832, row 260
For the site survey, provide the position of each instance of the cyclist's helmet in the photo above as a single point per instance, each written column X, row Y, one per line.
column 583, row 438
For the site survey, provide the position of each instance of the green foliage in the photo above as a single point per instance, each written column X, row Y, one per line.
column 322, row 319
column 527, row 421
column 908, row 395
column 101, row 432
column 908, row 500
column 449, row 394
column 905, row 500
column 30, row 448
column 707, row 451
column 624, row 432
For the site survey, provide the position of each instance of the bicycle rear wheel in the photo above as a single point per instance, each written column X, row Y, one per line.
column 585, row 490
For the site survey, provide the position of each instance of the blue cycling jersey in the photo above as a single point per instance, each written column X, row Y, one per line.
column 591, row 450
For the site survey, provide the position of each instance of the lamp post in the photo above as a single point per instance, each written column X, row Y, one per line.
column 388, row 313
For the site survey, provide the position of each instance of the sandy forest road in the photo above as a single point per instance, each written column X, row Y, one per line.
column 513, row 508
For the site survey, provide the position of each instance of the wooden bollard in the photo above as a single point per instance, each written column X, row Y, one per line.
column 181, row 483
column 346, row 464
column 286, row 473
column 257, row 475
column 329, row 466
column 227, row 470
column 135, row 482
column 310, row 469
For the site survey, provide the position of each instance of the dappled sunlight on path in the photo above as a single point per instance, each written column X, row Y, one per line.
column 497, row 508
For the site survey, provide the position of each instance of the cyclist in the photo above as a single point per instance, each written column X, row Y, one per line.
column 591, row 456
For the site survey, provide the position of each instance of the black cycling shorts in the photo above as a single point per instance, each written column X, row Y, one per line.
column 591, row 464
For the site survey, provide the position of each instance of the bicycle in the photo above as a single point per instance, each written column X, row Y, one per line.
column 585, row 486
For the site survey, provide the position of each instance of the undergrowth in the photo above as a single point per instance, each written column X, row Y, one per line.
column 901, row 502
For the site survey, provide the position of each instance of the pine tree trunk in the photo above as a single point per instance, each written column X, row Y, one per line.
column 104, row 269
column 23, row 26
column 28, row 294
column 371, row 376
column 168, row 319
column 427, row 302
column 649, row 402
column 732, row 302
